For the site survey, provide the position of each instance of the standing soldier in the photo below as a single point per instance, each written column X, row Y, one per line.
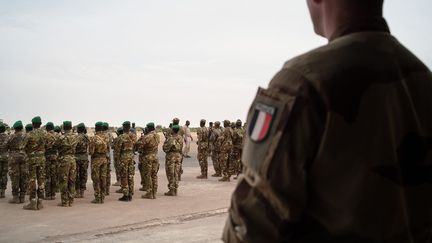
column 124, row 149
column 225, row 151
column 66, row 147
column 203, row 149
column 51, row 166
column 181, row 132
column 116, row 160
column 173, row 148
column 34, row 146
column 148, row 149
column 18, row 168
column 82, row 162
column 238, row 135
column 98, row 150
column 3, row 159
column 187, row 139
column 28, row 128
column 141, row 162
column 216, row 141
column 109, row 139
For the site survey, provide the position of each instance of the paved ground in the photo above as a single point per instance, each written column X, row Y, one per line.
column 197, row 214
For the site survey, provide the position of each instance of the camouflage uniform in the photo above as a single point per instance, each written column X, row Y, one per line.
column 215, row 133
column 66, row 147
column 237, row 139
column 148, row 149
column 51, row 166
column 82, row 163
column 142, row 167
column 203, row 149
column 116, row 160
column 124, row 151
column 173, row 148
column 34, row 146
column 18, row 167
column 3, row 163
column 226, row 146
column 109, row 140
column 98, row 149
column 338, row 147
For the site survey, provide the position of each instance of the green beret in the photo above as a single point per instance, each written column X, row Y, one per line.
column 29, row 127
column 2, row 125
column 17, row 125
column 120, row 130
column 177, row 127
column 99, row 124
column 36, row 119
column 49, row 124
column 81, row 125
column 57, row 129
column 126, row 123
column 67, row 124
column 105, row 125
column 150, row 125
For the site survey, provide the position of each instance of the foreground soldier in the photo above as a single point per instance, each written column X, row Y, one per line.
column 82, row 162
column 337, row 146
column 18, row 168
column 34, row 146
column 98, row 149
column 203, row 149
column 173, row 148
column 66, row 148
column 124, row 149
column 225, row 143
column 3, row 159
column 148, row 149
column 51, row 166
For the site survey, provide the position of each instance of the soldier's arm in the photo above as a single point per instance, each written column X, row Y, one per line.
column 270, row 199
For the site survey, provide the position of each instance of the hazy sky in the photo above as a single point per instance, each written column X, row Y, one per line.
column 152, row 60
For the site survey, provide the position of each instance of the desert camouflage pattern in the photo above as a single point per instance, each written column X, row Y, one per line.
column 235, row 157
column 82, row 162
column 18, row 167
column 203, row 149
column 67, row 166
column 173, row 148
column 3, row 160
column 225, row 145
column 98, row 150
column 215, row 153
column 347, row 156
column 148, row 149
column 34, row 146
column 51, row 164
column 109, row 141
column 124, row 151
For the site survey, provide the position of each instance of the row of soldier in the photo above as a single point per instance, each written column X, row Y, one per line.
column 42, row 162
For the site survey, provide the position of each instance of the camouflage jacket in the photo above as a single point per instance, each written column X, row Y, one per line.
column 217, row 138
column 226, row 143
column 81, row 151
column 125, row 145
column 98, row 146
column 148, row 144
column 338, row 147
column 66, row 144
column 173, row 144
column 3, row 146
column 203, row 138
column 237, row 139
column 15, row 143
column 50, row 142
column 35, row 142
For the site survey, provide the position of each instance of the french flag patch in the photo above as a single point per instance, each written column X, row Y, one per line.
column 261, row 122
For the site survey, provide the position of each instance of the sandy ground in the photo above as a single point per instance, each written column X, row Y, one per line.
column 197, row 214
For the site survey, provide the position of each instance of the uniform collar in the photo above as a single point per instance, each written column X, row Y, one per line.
column 372, row 24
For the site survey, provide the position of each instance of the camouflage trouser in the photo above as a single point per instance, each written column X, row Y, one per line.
column 151, row 164
column 51, row 173
column 236, row 161
column 67, row 171
column 36, row 167
column 82, row 164
column 3, row 172
column 18, row 172
column 108, row 175
column 143, row 169
column 127, row 170
column 225, row 164
column 117, row 168
column 202, row 159
column 172, row 169
column 98, row 175
column 215, row 160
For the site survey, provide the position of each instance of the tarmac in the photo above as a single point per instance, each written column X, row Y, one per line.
column 197, row 214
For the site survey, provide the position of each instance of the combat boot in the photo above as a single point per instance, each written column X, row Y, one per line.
column 171, row 192
column 22, row 198
column 130, row 198
column 224, row 179
column 216, row 175
column 102, row 200
column 63, row 204
column 15, row 200
column 124, row 198
column 39, row 204
column 2, row 193
column 143, row 189
column 175, row 192
column 96, row 200
column 154, row 194
column 148, row 195
column 202, row 176
column 32, row 205
column 119, row 191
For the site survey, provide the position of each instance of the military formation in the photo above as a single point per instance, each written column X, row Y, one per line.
column 46, row 160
